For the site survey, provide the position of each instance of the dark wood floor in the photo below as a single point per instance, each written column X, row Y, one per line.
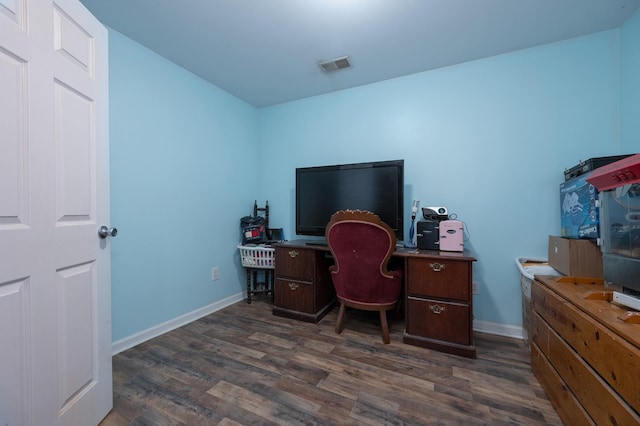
column 242, row 366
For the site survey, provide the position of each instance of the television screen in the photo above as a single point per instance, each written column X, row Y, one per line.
column 376, row 187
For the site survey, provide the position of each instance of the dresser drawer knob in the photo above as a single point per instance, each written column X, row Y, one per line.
column 437, row 309
column 293, row 253
column 293, row 286
column 437, row 267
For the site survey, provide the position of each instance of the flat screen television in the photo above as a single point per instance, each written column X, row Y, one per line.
column 375, row 186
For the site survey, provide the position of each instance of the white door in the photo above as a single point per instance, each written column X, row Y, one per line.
column 55, row 308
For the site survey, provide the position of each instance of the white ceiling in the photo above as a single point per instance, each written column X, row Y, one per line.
column 266, row 51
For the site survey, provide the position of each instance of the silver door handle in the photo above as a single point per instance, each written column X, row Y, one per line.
column 105, row 232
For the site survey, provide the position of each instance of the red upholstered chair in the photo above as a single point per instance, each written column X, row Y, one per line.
column 362, row 245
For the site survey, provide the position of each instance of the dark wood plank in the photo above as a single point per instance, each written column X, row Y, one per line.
column 243, row 365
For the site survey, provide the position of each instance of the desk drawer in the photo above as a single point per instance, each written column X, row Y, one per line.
column 294, row 295
column 294, row 262
column 435, row 319
column 436, row 278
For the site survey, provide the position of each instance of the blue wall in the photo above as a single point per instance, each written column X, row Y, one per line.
column 630, row 85
column 489, row 139
column 183, row 171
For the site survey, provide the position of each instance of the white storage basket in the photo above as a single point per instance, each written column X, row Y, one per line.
column 529, row 267
column 258, row 257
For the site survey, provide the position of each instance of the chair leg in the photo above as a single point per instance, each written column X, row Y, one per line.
column 340, row 322
column 385, row 326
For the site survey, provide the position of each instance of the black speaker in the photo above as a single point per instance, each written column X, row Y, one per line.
column 428, row 236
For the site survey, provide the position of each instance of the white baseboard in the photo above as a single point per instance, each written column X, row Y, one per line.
column 143, row 336
column 498, row 329
column 150, row 333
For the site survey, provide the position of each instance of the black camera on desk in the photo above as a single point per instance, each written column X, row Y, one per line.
column 428, row 232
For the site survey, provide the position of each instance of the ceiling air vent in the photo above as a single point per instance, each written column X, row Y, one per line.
column 335, row 64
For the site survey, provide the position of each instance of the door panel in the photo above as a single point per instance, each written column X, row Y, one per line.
column 13, row 174
column 76, row 322
column 14, row 368
column 13, row 10
column 72, row 41
column 15, row 385
column 75, row 177
column 55, row 309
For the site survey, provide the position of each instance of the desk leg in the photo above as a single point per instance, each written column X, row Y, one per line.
column 249, row 286
column 270, row 283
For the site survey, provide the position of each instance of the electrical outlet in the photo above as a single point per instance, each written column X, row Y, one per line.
column 215, row 273
column 476, row 287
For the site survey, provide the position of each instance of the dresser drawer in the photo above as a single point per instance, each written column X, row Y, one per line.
column 437, row 278
column 565, row 403
column 295, row 262
column 294, row 295
column 439, row 320
column 597, row 398
column 613, row 358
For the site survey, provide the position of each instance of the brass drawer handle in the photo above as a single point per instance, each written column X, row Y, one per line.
column 293, row 286
column 437, row 267
column 293, row 253
column 437, row 309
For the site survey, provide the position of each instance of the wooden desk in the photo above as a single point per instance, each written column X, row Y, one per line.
column 438, row 292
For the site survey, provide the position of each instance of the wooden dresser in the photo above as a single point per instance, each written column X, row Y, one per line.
column 303, row 287
column 584, row 356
